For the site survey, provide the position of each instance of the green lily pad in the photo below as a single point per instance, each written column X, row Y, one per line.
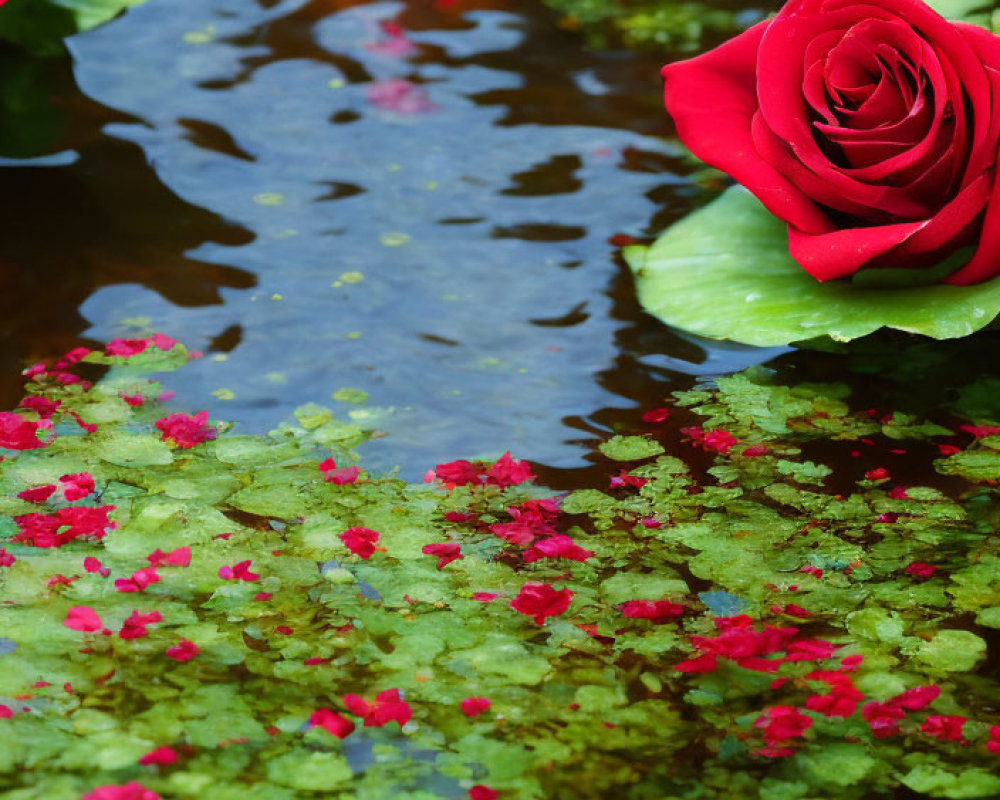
column 724, row 272
column 630, row 448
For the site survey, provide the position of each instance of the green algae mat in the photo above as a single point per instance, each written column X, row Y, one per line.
column 186, row 612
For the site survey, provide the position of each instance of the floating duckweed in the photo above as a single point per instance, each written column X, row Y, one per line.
column 269, row 199
column 394, row 239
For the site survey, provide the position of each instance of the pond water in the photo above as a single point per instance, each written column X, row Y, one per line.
column 418, row 202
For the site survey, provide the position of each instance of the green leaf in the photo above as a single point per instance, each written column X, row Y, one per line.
column 966, row 10
column 806, row 472
column 317, row 772
column 630, row 448
column 938, row 782
column 725, row 272
column 838, row 764
column 133, row 449
column 952, row 651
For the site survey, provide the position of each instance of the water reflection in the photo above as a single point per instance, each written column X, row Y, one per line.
column 75, row 222
column 431, row 191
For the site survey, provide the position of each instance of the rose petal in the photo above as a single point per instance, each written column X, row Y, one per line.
column 712, row 99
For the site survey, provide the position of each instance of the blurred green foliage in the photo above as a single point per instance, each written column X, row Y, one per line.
column 680, row 28
column 39, row 26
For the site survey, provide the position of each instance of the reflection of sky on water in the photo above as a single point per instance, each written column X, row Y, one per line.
column 453, row 263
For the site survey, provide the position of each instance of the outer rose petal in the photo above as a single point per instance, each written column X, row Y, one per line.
column 843, row 252
column 985, row 264
column 713, row 99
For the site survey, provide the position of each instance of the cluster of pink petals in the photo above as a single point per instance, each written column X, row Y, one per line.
column 920, row 570
column 541, row 600
column 558, row 546
column 6, row 559
column 161, row 756
column 482, row 792
column 181, row 557
column 981, row 431
column 184, row 650
column 506, row 471
column 18, row 433
column 134, row 626
column 363, row 542
column 186, row 430
column 340, row 476
column 945, row 727
column 42, row 371
column 625, row 479
column 388, row 707
column 83, row 618
column 781, row 725
column 529, row 520
column 94, row 566
column 474, row 706
column 884, row 718
column 67, row 524
column 446, row 552
column 714, row 441
column 138, row 581
column 842, row 699
column 133, row 347
column 333, row 723
column 656, row 611
column 133, row 790
column 741, row 642
column 396, row 45
column 399, row 95
column 76, row 487
column 238, row 572
column 38, row 494
column 43, row 406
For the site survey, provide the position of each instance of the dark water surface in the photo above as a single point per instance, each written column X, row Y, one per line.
column 254, row 179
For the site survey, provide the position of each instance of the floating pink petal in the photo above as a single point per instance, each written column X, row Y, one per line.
column 399, row 95
column 238, row 572
column 332, row 722
column 18, row 433
column 180, row 557
column 83, row 618
column 39, row 494
column 184, row 650
column 135, row 626
column 474, row 706
column 446, row 552
column 162, row 755
column 139, row 580
column 360, row 541
column 133, row 790
column 76, row 487
column 541, row 600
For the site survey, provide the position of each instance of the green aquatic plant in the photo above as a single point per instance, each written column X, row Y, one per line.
column 186, row 610
column 41, row 25
column 675, row 27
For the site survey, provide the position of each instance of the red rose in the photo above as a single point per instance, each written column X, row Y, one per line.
column 870, row 128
